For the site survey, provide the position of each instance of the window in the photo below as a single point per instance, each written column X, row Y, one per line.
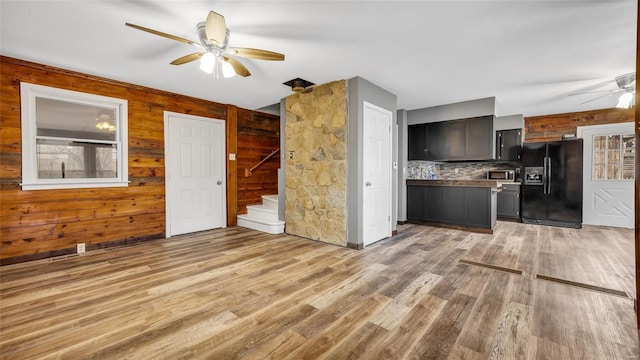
column 72, row 139
column 614, row 157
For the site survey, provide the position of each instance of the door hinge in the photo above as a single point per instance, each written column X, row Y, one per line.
column 388, row 218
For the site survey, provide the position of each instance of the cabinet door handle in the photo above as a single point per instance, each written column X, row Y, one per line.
column 367, row 184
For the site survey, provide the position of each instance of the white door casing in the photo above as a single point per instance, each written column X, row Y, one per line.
column 377, row 172
column 606, row 202
column 195, row 173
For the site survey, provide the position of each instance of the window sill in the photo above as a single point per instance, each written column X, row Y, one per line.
column 79, row 185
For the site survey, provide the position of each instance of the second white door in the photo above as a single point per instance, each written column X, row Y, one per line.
column 377, row 170
column 195, row 178
column 609, row 152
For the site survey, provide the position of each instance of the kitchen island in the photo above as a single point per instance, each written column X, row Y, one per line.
column 461, row 204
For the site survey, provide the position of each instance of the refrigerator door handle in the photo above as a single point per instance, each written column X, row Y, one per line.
column 549, row 175
column 544, row 175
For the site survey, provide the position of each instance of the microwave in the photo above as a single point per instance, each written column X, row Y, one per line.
column 504, row 175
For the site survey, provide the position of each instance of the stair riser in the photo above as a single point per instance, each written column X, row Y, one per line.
column 270, row 204
column 270, row 229
column 261, row 215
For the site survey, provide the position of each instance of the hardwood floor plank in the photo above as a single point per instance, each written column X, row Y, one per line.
column 405, row 336
column 439, row 339
column 480, row 329
column 319, row 346
column 512, row 336
column 236, row 293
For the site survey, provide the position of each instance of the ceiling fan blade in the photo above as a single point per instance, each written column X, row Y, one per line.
column 168, row 36
column 597, row 91
column 256, row 54
column 237, row 67
column 187, row 58
column 594, row 99
column 216, row 27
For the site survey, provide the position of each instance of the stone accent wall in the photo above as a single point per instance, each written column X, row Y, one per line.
column 316, row 163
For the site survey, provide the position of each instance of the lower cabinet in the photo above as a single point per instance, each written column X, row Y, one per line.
column 509, row 201
column 453, row 205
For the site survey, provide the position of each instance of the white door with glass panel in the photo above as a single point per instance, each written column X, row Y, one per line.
column 195, row 178
column 609, row 157
column 376, row 169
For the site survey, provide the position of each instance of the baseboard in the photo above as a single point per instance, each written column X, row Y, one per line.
column 71, row 251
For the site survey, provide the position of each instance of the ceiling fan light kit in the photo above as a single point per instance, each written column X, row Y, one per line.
column 626, row 101
column 626, row 82
column 216, row 59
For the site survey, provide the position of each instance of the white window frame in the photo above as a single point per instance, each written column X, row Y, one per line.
column 30, row 181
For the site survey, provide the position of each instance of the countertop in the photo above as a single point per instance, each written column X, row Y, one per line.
column 463, row 183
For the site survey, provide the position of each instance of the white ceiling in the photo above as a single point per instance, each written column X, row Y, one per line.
column 530, row 55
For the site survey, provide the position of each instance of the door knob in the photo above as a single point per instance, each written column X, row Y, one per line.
column 367, row 184
column 219, row 182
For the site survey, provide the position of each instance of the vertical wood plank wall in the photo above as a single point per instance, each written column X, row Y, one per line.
column 552, row 127
column 43, row 223
column 258, row 136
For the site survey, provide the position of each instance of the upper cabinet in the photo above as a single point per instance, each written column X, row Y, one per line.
column 417, row 136
column 436, row 141
column 479, row 141
column 456, row 140
column 508, row 144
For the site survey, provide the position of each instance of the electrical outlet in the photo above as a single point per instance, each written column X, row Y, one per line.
column 457, row 170
column 80, row 248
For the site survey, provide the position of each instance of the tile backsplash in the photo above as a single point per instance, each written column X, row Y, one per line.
column 465, row 171
column 417, row 169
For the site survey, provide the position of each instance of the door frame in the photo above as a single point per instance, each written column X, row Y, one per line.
column 389, row 229
column 588, row 155
column 167, row 166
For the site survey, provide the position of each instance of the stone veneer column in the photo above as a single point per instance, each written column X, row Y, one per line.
column 316, row 163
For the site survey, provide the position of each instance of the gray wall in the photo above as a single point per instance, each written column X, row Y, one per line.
column 509, row 122
column 461, row 110
column 271, row 109
column 403, row 155
column 282, row 179
column 358, row 91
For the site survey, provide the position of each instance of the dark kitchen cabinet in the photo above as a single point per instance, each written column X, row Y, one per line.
column 417, row 142
column 509, row 201
column 456, row 139
column 416, row 207
column 479, row 138
column 479, row 207
column 453, row 205
column 436, row 141
column 508, row 145
column 435, row 197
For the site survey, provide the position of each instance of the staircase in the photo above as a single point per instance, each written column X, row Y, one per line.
column 263, row 217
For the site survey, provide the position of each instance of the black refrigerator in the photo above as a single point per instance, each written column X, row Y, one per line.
column 552, row 183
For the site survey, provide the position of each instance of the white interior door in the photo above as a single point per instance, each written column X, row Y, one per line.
column 608, row 195
column 377, row 170
column 195, row 173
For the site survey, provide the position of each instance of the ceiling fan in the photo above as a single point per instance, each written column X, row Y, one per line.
column 626, row 85
column 215, row 55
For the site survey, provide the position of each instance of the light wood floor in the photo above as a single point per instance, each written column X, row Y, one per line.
column 236, row 293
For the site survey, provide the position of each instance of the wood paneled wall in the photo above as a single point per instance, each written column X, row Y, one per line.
column 43, row 223
column 552, row 127
column 258, row 136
